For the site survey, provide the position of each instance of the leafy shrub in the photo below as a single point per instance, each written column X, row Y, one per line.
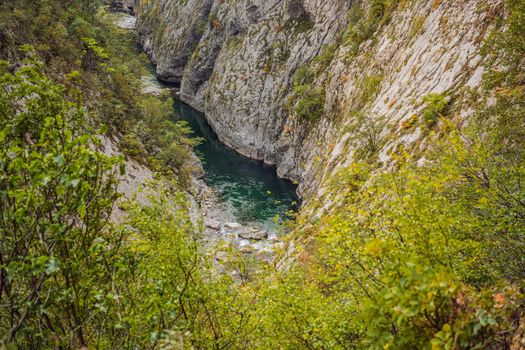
column 306, row 100
column 417, row 256
column 326, row 57
column 410, row 122
column 422, row 308
column 369, row 87
column 363, row 24
column 303, row 76
column 82, row 39
column 309, row 105
column 436, row 105
column 131, row 146
column 57, row 252
column 366, row 130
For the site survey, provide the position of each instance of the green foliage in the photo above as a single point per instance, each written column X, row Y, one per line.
column 131, row 146
column 366, row 133
column 426, row 309
column 417, row 25
column 306, row 100
column 309, row 102
column 419, row 256
column 326, row 57
column 303, row 76
column 365, row 128
column 70, row 279
column 435, row 105
column 418, row 302
column 364, row 23
column 424, row 256
column 162, row 269
column 103, row 73
column 57, row 250
column 503, row 81
column 369, row 88
column 157, row 135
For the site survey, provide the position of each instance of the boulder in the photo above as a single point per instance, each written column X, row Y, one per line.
column 213, row 224
column 232, row 225
column 253, row 234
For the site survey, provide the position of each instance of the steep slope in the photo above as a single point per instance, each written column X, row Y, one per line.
column 372, row 64
column 377, row 95
column 236, row 61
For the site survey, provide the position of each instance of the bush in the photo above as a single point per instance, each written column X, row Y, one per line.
column 422, row 308
column 326, row 57
column 363, row 24
column 131, row 146
column 308, row 102
column 303, row 76
column 436, row 105
column 57, row 251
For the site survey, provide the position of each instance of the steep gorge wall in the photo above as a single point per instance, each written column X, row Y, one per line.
column 236, row 61
column 375, row 98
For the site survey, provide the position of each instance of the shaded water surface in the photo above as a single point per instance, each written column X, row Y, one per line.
column 251, row 188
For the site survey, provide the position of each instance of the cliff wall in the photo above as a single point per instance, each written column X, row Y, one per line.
column 371, row 70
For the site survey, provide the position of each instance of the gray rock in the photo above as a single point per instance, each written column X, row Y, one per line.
column 236, row 60
column 213, row 224
column 232, row 225
column 230, row 235
column 169, row 32
column 252, row 234
column 296, row 11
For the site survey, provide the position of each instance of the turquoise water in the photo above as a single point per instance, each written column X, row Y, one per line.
column 251, row 188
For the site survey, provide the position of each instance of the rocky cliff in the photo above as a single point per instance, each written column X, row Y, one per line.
column 366, row 70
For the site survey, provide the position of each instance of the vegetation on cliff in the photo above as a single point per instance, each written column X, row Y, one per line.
column 426, row 255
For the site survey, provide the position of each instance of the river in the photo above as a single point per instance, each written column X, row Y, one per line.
column 250, row 189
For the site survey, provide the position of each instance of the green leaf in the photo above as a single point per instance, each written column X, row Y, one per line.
column 59, row 160
column 52, row 266
column 82, row 210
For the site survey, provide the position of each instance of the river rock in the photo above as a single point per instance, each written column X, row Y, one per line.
column 213, row 224
column 252, row 234
column 232, row 225
column 230, row 235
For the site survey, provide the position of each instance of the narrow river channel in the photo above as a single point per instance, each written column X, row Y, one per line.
column 251, row 190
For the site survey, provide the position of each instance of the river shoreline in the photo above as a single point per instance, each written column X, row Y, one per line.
column 218, row 215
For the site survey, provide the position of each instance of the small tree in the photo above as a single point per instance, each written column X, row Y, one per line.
column 57, row 253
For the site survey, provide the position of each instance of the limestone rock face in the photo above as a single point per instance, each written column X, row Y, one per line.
column 238, row 67
column 169, row 31
column 426, row 47
column 252, row 234
column 236, row 61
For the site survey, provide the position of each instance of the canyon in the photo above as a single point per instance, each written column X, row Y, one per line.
column 236, row 61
